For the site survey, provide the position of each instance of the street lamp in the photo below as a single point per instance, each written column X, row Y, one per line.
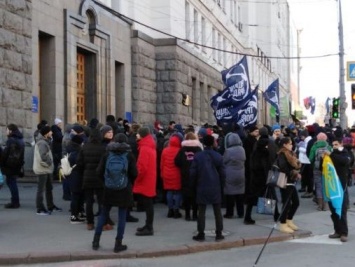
column 343, row 104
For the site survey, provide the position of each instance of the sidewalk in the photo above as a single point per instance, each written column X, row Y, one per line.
column 29, row 238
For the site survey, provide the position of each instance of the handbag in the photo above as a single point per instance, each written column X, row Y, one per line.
column 266, row 205
column 276, row 178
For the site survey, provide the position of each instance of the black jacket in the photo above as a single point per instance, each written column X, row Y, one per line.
column 341, row 161
column 75, row 178
column 121, row 198
column 87, row 162
column 14, row 137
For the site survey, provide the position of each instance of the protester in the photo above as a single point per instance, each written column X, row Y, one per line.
column 207, row 174
column 12, row 161
column 290, row 165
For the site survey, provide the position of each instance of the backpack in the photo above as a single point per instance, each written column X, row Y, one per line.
column 65, row 165
column 116, row 176
column 14, row 156
column 318, row 157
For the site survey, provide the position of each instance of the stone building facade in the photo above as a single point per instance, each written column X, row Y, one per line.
column 15, row 65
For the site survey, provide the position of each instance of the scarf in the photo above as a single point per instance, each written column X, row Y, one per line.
column 291, row 158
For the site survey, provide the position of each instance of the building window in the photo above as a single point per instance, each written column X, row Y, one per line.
column 187, row 20
column 80, row 97
column 195, row 26
column 219, row 49
column 203, row 33
column 214, row 44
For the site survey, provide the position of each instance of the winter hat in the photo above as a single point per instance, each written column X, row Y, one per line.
column 275, row 127
column 263, row 131
column 121, row 138
column 78, row 129
column 57, row 121
column 93, row 123
column 77, row 139
column 105, row 129
column 144, row 131
column 292, row 126
column 322, row 136
column 202, row 132
column 179, row 128
column 44, row 130
column 310, row 129
column 208, row 140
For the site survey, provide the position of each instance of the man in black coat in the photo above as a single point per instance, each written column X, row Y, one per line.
column 341, row 161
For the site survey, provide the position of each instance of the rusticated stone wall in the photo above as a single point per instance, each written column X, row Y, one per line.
column 15, row 65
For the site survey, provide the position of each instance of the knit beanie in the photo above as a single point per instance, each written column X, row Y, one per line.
column 263, row 131
column 143, row 131
column 57, row 121
column 77, row 139
column 78, row 129
column 322, row 136
column 275, row 127
column 121, row 138
column 44, row 130
column 105, row 129
column 202, row 132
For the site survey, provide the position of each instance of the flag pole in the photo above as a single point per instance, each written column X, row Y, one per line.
column 343, row 105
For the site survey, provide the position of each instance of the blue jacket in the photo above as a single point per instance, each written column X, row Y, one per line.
column 207, row 176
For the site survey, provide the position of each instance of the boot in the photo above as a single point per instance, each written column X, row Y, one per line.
column 170, row 213
column 285, row 229
column 177, row 214
column 118, row 246
column 320, row 204
column 96, row 242
column 290, row 224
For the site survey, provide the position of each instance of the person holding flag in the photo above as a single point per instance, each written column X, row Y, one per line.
column 335, row 171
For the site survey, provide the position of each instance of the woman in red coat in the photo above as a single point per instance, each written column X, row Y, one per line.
column 171, row 176
column 145, row 183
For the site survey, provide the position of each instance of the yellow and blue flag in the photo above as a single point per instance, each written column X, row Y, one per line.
column 332, row 188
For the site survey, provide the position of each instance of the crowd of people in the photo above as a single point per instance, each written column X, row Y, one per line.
column 224, row 166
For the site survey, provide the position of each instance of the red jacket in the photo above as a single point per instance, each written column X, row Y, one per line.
column 145, row 183
column 169, row 172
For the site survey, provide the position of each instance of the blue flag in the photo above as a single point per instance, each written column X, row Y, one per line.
column 271, row 95
column 225, row 102
column 247, row 114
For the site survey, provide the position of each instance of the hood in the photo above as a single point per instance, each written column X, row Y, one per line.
column 232, row 139
column 147, row 141
column 175, row 141
column 16, row 134
column 191, row 143
column 118, row 147
column 321, row 143
column 41, row 137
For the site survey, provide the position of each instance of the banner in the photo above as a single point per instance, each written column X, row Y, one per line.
column 225, row 102
column 272, row 96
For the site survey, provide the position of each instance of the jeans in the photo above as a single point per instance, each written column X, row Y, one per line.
column 104, row 215
column 201, row 218
column 147, row 203
column 89, row 201
column 290, row 203
column 11, row 181
column 174, row 198
column 44, row 185
column 317, row 175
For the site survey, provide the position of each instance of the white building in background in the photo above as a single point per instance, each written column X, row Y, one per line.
column 255, row 28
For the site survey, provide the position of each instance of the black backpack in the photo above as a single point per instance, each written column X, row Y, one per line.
column 14, row 158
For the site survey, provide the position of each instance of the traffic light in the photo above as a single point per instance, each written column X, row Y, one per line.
column 353, row 95
column 335, row 109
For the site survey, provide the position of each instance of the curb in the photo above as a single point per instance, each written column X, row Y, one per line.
column 66, row 256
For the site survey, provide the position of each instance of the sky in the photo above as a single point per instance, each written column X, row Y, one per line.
column 318, row 20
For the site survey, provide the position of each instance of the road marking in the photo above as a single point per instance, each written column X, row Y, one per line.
column 318, row 239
